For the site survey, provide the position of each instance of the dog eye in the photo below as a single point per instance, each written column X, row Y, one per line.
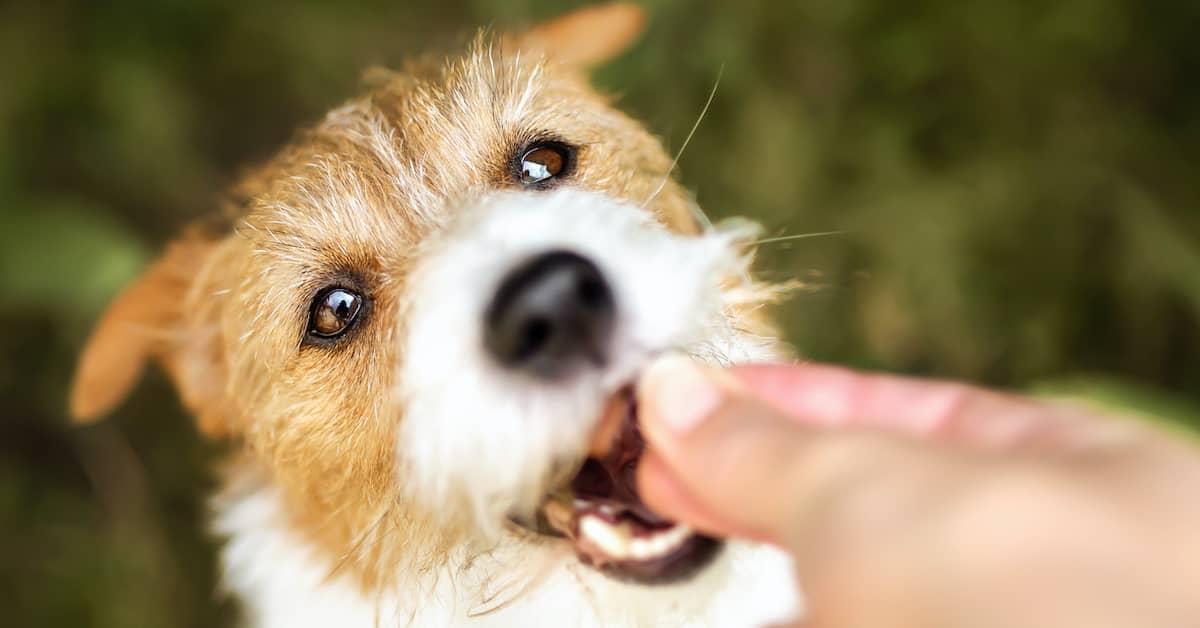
column 333, row 313
column 542, row 162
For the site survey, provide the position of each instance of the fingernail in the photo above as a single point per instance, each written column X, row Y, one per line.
column 681, row 391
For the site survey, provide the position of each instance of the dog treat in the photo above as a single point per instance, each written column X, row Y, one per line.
column 611, row 422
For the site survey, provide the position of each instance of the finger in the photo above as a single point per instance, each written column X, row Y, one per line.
column 880, row 519
column 747, row 468
column 658, row 485
column 832, row 396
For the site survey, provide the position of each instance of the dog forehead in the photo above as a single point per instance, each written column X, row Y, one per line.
column 378, row 173
column 392, row 162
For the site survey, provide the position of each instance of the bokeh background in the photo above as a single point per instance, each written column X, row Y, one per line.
column 1016, row 186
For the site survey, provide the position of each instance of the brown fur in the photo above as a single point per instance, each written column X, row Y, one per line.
column 351, row 200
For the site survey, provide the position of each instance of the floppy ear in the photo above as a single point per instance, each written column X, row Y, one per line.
column 586, row 37
column 159, row 316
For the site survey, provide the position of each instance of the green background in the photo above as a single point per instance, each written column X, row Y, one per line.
column 1016, row 184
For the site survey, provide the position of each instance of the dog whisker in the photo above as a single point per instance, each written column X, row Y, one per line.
column 512, row 590
column 798, row 236
column 355, row 549
column 701, row 217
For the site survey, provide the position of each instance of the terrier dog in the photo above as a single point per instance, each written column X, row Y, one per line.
column 421, row 330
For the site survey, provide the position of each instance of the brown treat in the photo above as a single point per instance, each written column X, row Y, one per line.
column 611, row 422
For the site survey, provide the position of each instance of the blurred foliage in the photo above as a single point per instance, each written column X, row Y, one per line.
column 1016, row 184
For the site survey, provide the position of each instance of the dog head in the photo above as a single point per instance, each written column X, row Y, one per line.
column 426, row 305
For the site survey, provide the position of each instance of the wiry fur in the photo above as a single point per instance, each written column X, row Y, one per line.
column 376, row 473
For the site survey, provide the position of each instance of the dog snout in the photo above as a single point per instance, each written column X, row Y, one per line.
column 550, row 316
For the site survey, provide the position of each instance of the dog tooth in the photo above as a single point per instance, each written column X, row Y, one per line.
column 614, row 540
column 642, row 549
column 659, row 544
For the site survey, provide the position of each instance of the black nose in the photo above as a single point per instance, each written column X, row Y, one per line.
column 551, row 315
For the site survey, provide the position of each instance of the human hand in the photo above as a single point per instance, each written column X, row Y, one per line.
column 914, row 503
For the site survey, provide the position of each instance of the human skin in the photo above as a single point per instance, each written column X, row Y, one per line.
column 919, row 503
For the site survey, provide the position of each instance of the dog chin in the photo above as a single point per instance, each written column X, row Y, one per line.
column 487, row 444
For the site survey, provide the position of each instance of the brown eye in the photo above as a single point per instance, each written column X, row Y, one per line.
column 542, row 162
column 333, row 313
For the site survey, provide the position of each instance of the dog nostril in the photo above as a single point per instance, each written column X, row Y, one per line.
column 532, row 338
column 550, row 316
column 592, row 292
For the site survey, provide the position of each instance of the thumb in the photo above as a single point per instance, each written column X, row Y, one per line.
column 726, row 462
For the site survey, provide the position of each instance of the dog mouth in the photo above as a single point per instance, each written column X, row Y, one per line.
column 601, row 514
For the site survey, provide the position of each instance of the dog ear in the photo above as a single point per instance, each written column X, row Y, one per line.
column 167, row 315
column 588, row 36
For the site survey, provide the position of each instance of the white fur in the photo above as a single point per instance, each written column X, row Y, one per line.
column 283, row 584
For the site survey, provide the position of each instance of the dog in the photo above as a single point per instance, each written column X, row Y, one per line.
column 420, row 330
